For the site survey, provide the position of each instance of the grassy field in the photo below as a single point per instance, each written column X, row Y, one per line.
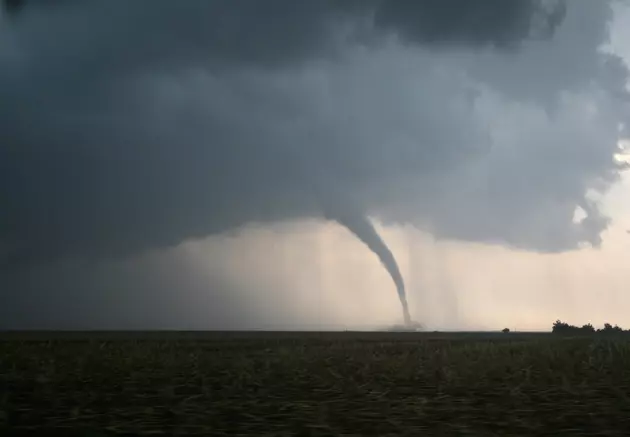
column 358, row 384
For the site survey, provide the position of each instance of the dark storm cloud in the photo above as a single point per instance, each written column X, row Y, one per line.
column 141, row 124
column 270, row 32
column 501, row 23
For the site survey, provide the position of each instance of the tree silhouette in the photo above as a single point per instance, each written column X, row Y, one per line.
column 564, row 328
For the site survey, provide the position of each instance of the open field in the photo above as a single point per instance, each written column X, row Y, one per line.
column 345, row 383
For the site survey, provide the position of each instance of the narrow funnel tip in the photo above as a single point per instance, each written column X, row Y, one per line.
column 405, row 308
column 407, row 317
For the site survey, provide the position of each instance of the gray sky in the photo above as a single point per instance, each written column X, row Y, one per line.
column 175, row 172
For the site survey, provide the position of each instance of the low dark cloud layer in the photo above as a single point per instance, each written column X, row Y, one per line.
column 136, row 125
column 156, row 34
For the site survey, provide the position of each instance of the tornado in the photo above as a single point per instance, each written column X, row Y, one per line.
column 363, row 229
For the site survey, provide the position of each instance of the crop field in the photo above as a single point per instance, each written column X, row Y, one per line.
column 314, row 384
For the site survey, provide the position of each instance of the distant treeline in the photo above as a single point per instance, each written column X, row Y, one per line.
column 564, row 328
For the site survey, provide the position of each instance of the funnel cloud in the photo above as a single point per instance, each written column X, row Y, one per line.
column 361, row 226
